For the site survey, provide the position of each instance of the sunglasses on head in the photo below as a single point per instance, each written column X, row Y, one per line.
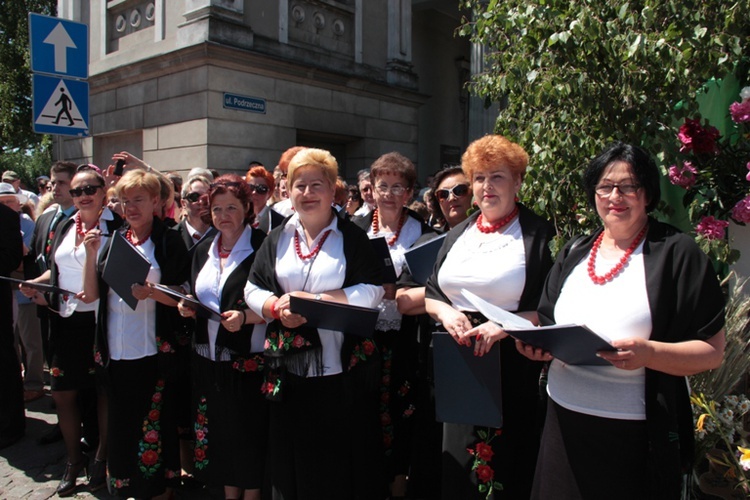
column 458, row 190
column 225, row 185
column 258, row 188
column 193, row 197
column 87, row 190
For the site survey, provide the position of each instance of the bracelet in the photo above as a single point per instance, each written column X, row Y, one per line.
column 275, row 314
column 244, row 317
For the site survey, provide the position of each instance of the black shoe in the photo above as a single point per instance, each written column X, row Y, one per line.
column 98, row 478
column 51, row 436
column 68, row 484
column 9, row 440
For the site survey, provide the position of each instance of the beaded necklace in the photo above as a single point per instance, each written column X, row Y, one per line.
column 497, row 225
column 314, row 252
column 376, row 226
column 129, row 237
column 609, row 276
column 79, row 225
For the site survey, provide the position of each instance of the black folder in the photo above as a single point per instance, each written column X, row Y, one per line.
column 467, row 387
column 125, row 266
column 384, row 254
column 202, row 310
column 572, row 344
column 344, row 318
column 421, row 259
column 42, row 287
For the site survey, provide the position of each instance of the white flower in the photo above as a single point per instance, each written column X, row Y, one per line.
column 745, row 93
column 732, row 400
column 743, row 406
column 726, row 415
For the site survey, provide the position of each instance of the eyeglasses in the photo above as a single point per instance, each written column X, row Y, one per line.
column 87, row 190
column 458, row 191
column 395, row 190
column 258, row 188
column 624, row 189
column 193, row 197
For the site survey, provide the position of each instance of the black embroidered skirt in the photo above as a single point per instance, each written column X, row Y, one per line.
column 230, row 422
column 71, row 351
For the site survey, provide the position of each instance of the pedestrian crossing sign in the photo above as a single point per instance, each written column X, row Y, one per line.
column 61, row 106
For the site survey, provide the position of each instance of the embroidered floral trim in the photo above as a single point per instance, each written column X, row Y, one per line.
column 98, row 357
column 201, row 436
column 171, row 474
column 164, row 346
column 285, row 341
column 409, row 411
column 56, row 372
column 361, row 352
column 386, row 423
column 149, row 448
column 483, row 453
column 271, row 387
column 249, row 365
column 119, row 483
column 240, row 304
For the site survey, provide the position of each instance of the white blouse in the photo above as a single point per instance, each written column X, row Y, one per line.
column 132, row 334
column 492, row 266
column 618, row 309
column 70, row 260
column 321, row 274
column 209, row 285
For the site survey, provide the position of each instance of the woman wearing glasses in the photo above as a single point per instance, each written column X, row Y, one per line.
column 230, row 414
column 262, row 184
column 136, row 348
column 73, row 323
column 393, row 177
column 451, row 198
column 501, row 254
column 626, row 428
column 315, row 377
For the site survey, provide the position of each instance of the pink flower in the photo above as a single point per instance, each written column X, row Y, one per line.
column 683, row 177
column 740, row 111
column 711, row 228
column 697, row 138
column 741, row 211
column 156, row 398
column 151, row 437
column 298, row 341
column 199, row 435
column 747, row 177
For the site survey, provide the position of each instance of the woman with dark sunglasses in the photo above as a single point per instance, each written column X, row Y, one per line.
column 262, row 184
column 451, row 198
column 73, row 324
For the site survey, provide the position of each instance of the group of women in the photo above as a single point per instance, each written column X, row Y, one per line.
column 280, row 408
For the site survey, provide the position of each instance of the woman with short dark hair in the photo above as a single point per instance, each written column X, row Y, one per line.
column 651, row 290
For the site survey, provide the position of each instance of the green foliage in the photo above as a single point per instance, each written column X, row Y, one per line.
column 16, row 132
column 577, row 75
column 29, row 164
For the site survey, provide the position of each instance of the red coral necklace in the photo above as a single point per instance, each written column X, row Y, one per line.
column 223, row 252
column 497, row 225
column 315, row 251
column 79, row 226
column 609, row 276
column 129, row 237
column 376, row 226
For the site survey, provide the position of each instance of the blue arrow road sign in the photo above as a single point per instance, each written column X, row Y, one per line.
column 58, row 46
column 61, row 106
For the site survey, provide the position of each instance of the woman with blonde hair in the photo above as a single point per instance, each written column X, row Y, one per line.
column 136, row 348
column 311, row 374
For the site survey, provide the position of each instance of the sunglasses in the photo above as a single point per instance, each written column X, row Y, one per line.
column 87, row 190
column 258, row 188
column 225, row 185
column 193, row 197
column 458, row 191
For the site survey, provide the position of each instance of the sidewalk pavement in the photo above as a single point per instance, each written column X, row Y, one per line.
column 31, row 471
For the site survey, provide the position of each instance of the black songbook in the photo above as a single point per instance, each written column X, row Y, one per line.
column 467, row 387
column 421, row 259
column 572, row 344
column 384, row 254
column 125, row 266
column 202, row 310
column 42, row 287
column 344, row 318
